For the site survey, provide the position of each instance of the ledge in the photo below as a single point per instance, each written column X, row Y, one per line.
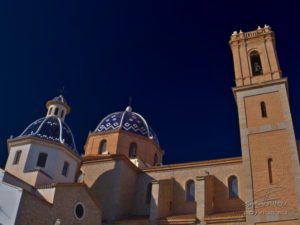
column 194, row 164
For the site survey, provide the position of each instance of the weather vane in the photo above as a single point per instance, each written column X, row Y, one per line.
column 62, row 90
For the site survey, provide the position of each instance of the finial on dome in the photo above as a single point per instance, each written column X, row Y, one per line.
column 234, row 33
column 258, row 28
column 128, row 109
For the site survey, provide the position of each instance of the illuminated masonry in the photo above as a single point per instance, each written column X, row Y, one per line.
column 120, row 178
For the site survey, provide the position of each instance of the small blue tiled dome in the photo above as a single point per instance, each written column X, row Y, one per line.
column 60, row 98
column 51, row 128
column 128, row 121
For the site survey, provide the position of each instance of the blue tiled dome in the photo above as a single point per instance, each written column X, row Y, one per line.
column 51, row 128
column 128, row 121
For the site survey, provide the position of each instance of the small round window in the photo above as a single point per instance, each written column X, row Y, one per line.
column 79, row 211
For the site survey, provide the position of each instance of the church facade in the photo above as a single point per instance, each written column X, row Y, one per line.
column 120, row 179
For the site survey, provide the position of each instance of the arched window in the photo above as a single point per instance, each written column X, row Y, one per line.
column 155, row 159
column 17, row 157
column 65, row 169
column 255, row 63
column 50, row 111
column 263, row 109
column 132, row 150
column 233, row 187
column 102, row 147
column 270, row 162
column 149, row 193
column 42, row 159
column 62, row 113
column 190, row 190
column 56, row 112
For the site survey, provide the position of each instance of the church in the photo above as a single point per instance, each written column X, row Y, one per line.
column 121, row 179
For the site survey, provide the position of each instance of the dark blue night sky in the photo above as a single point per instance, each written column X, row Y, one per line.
column 172, row 57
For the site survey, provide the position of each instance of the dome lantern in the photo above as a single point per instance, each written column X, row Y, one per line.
column 58, row 107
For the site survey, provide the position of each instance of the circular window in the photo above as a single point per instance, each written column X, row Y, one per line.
column 79, row 211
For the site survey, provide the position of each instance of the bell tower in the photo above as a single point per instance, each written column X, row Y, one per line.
column 254, row 55
column 270, row 156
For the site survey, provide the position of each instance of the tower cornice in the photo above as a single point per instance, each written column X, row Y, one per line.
column 260, row 85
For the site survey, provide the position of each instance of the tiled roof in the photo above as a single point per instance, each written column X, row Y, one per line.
column 129, row 121
column 51, row 128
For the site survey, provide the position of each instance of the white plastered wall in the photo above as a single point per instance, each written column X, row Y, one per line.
column 26, row 168
column 60, row 109
column 9, row 203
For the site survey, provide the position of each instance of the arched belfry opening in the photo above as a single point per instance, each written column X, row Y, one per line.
column 255, row 63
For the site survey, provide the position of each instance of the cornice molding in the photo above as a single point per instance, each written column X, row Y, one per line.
column 94, row 159
column 194, row 164
column 35, row 140
column 260, row 85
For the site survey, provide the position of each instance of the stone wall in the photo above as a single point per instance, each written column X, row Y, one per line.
column 118, row 142
column 113, row 182
column 216, row 201
column 36, row 211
